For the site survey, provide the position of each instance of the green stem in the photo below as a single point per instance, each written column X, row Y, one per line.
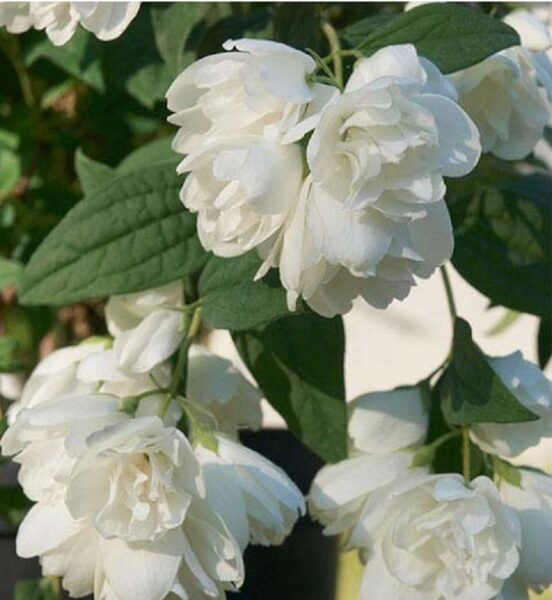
column 445, row 438
column 187, row 308
column 344, row 54
column 425, row 455
column 450, row 295
column 466, row 453
column 192, row 329
column 56, row 587
column 335, row 52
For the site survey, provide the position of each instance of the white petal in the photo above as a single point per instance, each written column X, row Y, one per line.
column 383, row 422
column 142, row 571
column 400, row 61
column 338, row 491
column 224, row 494
column 154, row 340
column 109, row 19
column 459, row 147
column 532, row 31
column 533, row 501
column 44, row 528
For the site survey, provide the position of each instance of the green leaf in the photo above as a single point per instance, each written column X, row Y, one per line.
column 506, row 472
column 42, row 589
column 13, row 504
column 131, row 234
column 471, row 391
column 298, row 363
column 298, row 24
column 172, row 25
column 80, row 57
column 10, row 160
column 502, row 240
column 544, row 342
column 155, row 152
column 231, row 299
column 452, row 36
column 447, row 456
column 9, row 362
column 11, row 272
column 92, row 174
column 133, row 63
column 357, row 33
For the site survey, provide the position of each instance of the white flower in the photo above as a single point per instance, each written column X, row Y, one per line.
column 329, row 255
column 535, row 31
column 38, row 437
column 106, row 20
column 432, row 537
column 121, row 508
column 532, row 389
column 372, row 215
column 55, row 377
column 200, row 559
column 70, row 394
column 383, row 428
column 135, row 480
column 216, row 383
column 533, row 503
column 147, row 326
column 87, row 368
column 260, row 90
column 339, row 492
column 390, row 137
column 256, row 499
column 241, row 189
column 359, row 224
column 238, row 114
column 506, row 94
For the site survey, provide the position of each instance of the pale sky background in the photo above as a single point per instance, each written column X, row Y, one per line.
column 405, row 342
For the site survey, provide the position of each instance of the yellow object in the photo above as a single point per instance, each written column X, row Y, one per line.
column 349, row 571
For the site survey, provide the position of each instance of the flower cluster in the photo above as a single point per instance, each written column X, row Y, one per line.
column 106, row 20
column 361, row 211
column 439, row 536
column 127, row 505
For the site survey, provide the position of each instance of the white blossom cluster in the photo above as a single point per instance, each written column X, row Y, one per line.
column 127, row 506
column 106, row 20
column 435, row 536
column 509, row 94
column 360, row 211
